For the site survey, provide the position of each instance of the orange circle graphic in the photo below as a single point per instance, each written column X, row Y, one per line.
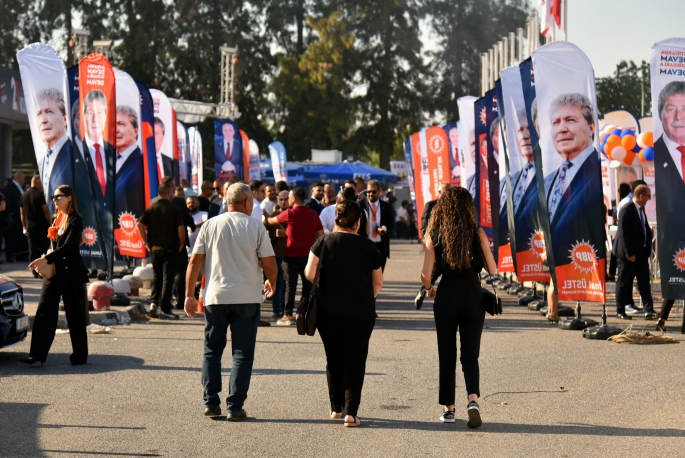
column 127, row 222
column 89, row 236
column 583, row 257
column 679, row 260
column 537, row 244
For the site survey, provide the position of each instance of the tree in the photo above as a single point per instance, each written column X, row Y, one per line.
column 628, row 88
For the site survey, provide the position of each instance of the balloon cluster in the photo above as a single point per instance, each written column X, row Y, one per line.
column 624, row 146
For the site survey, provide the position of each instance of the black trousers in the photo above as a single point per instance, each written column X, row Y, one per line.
column 458, row 307
column 45, row 322
column 627, row 271
column 346, row 342
column 292, row 268
column 180, row 279
column 384, row 255
column 164, row 267
column 38, row 245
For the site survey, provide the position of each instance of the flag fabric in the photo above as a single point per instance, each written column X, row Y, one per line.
column 279, row 161
column 467, row 145
column 196, row 165
column 505, row 261
column 228, row 150
column 165, row 137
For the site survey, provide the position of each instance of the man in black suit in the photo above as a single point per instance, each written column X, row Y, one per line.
column 381, row 219
column 524, row 188
column 228, row 150
column 669, row 171
column 315, row 202
column 575, row 202
column 35, row 219
column 16, row 245
column 130, row 192
column 633, row 249
column 165, row 164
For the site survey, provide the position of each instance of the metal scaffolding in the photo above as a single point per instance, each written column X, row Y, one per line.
column 80, row 44
column 227, row 107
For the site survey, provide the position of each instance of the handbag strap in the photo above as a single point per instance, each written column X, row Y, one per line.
column 315, row 283
column 485, row 263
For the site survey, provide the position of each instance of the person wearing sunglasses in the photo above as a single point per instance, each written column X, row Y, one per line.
column 66, row 235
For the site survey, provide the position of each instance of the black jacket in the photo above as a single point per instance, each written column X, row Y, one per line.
column 427, row 210
column 387, row 220
column 70, row 271
column 630, row 239
column 314, row 205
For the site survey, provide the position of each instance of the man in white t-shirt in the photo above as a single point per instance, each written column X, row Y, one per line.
column 258, row 193
column 402, row 217
column 327, row 215
column 193, row 204
column 271, row 200
column 233, row 247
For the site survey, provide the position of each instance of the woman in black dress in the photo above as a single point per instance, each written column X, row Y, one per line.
column 458, row 248
column 349, row 282
column 67, row 283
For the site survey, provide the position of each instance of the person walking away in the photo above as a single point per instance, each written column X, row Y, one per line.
column 278, row 242
column 16, row 245
column 633, row 249
column 350, row 279
column 271, row 200
column 232, row 246
column 315, row 202
column 165, row 240
column 402, row 220
column 381, row 219
column 66, row 234
column 35, row 218
column 327, row 215
column 206, row 192
column 456, row 246
column 302, row 228
column 187, row 190
column 218, row 188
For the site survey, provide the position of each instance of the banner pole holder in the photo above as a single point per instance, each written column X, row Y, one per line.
column 602, row 332
column 577, row 323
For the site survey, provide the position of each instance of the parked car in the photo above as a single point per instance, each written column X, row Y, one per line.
column 14, row 323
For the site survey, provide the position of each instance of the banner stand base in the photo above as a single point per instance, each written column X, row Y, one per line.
column 578, row 323
column 564, row 310
column 602, row 332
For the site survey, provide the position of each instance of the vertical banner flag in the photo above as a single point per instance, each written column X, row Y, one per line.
column 409, row 163
column 505, row 260
column 421, row 182
column 183, row 150
column 165, row 140
column 279, row 161
column 486, row 170
column 570, row 192
column 467, row 145
column 667, row 67
column 254, row 160
column 46, row 95
column 98, row 106
column 195, row 148
column 435, row 165
column 129, row 196
column 147, row 135
column 246, row 155
column 452, row 130
column 228, row 150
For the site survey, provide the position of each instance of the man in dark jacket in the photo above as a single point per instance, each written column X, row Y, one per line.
column 315, row 202
column 381, row 219
column 16, row 245
column 35, row 219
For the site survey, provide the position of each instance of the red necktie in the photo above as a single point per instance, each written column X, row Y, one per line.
column 228, row 151
column 100, row 169
column 682, row 160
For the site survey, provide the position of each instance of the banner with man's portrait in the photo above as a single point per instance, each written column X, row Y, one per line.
column 409, row 163
column 569, row 174
column 129, row 197
column 182, row 152
column 452, row 131
column 165, row 137
column 505, row 260
column 147, row 134
column 254, row 159
column 195, row 148
column 667, row 68
column 487, row 169
column 527, row 241
column 228, row 150
column 467, row 145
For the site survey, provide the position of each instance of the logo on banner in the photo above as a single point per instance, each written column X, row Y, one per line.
column 89, row 236
column 494, row 104
column 128, row 225
column 537, row 244
column 679, row 260
column 436, row 144
column 483, row 116
column 583, row 256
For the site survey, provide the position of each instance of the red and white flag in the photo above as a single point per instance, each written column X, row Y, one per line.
column 551, row 14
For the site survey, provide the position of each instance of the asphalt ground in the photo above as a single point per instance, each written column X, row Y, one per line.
column 545, row 392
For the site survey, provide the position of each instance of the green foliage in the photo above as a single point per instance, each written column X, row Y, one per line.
column 625, row 89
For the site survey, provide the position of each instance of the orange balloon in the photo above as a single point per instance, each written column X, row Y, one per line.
column 628, row 142
column 612, row 142
column 641, row 155
column 648, row 138
column 630, row 157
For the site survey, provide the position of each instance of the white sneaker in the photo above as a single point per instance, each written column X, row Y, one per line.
column 285, row 321
column 631, row 310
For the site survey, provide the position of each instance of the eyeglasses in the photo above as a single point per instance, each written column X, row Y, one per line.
column 216, row 189
column 371, row 191
column 57, row 196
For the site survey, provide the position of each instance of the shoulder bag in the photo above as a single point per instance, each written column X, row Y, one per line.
column 305, row 316
column 48, row 270
column 491, row 301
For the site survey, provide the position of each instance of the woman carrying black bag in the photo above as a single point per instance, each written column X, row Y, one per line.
column 456, row 242
column 350, row 279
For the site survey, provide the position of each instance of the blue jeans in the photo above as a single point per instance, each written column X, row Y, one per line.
column 243, row 320
column 278, row 301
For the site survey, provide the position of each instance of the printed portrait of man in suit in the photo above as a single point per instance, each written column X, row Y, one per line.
column 56, row 165
column 454, row 153
column 129, row 195
column 228, row 153
column 95, row 148
column 471, row 181
column 574, row 190
column 165, row 164
column 524, row 187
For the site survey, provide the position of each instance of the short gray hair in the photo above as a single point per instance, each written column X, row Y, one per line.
column 133, row 116
column 238, row 193
column 493, row 126
column 672, row 88
column 92, row 96
column 577, row 100
column 54, row 94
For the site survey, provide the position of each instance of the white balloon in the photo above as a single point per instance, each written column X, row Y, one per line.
column 618, row 153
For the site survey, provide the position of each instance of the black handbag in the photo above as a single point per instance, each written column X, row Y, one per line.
column 305, row 316
column 491, row 301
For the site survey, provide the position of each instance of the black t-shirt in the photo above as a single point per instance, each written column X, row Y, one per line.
column 345, row 286
column 162, row 220
column 32, row 202
column 204, row 203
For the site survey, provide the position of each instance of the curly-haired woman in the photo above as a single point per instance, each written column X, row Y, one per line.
column 457, row 247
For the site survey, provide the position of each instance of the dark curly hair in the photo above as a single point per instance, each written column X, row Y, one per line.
column 454, row 218
column 347, row 214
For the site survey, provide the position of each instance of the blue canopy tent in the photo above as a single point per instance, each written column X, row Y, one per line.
column 336, row 174
column 294, row 172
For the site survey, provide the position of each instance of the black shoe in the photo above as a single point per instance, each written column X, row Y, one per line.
column 168, row 315
column 420, row 296
column 623, row 316
column 78, row 363
column 651, row 315
column 447, row 416
column 474, row 415
column 30, row 361
column 263, row 323
column 213, row 411
column 240, row 415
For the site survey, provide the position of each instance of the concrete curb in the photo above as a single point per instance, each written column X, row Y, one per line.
column 116, row 315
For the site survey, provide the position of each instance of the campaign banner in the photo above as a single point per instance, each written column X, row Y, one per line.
column 195, row 149
column 505, row 260
column 246, row 154
column 147, row 134
column 279, row 160
column 569, row 175
column 46, row 97
column 12, row 101
column 452, row 130
column 165, row 138
column 129, row 201
column 228, row 150
column 667, row 68
column 421, row 175
column 434, row 163
column 183, row 151
column 487, row 170
column 98, row 107
column 253, row 149
column 399, row 169
column 409, row 163
column 467, row 145
column 526, row 239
